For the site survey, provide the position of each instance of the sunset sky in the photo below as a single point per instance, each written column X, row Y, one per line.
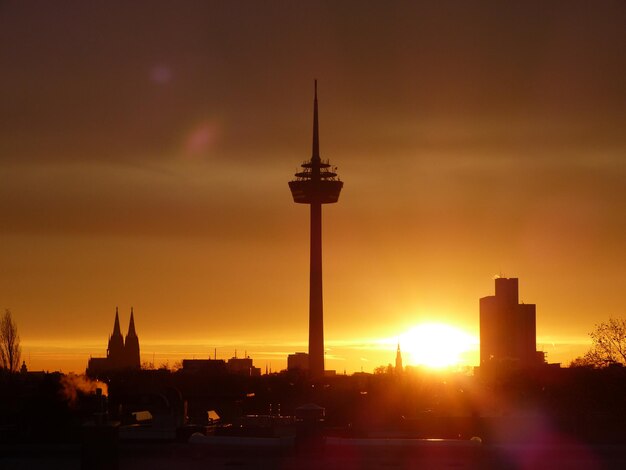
column 146, row 146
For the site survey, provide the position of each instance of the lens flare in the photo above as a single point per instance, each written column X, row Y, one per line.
column 201, row 139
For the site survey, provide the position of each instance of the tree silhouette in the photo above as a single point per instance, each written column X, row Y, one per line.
column 10, row 350
column 608, row 345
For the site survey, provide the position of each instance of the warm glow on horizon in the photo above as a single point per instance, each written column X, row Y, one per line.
column 436, row 345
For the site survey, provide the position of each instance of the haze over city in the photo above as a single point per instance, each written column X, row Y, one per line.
column 145, row 158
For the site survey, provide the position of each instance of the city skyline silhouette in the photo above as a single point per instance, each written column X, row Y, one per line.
column 477, row 141
column 184, row 287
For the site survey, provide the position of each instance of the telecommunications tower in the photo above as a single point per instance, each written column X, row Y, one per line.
column 315, row 185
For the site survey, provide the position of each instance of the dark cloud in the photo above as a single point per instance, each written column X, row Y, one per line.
column 116, row 81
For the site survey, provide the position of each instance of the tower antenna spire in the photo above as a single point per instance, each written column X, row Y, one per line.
column 315, row 154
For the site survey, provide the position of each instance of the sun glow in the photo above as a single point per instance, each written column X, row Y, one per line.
column 436, row 345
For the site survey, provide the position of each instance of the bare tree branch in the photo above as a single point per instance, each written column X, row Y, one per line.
column 608, row 345
column 10, row 350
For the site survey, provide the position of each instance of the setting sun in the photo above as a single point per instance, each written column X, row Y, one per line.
column 436, row 345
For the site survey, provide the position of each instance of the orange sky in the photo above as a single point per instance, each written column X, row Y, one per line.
column 145, row 151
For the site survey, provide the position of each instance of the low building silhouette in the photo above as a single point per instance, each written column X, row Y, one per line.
column 298, row 361
column 120, row 354
column 204, row 366
column 242, row 366
column 214, row 367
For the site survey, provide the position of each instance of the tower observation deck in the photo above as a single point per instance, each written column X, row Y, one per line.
column 315, row 185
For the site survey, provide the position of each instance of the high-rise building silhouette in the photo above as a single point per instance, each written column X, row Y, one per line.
column 120, row 354
column 507, row 328
column 315, row 185
column 298, row 361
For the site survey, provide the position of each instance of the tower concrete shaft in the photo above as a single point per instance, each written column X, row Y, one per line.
column 317, row 184
column 316, row 303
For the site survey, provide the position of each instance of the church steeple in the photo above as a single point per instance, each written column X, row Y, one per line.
column 131, row 347
column 115, row 350
column 116, row 326
column 398, row 359
column 131, row 325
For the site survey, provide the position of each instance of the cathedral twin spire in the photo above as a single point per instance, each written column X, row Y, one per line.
column 124, row 353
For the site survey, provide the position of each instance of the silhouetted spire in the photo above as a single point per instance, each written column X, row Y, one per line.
column 131, row 325
column 315, row 156
column 398, row 358
column 115, row 349
column 131, row 346
column 116, row 326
